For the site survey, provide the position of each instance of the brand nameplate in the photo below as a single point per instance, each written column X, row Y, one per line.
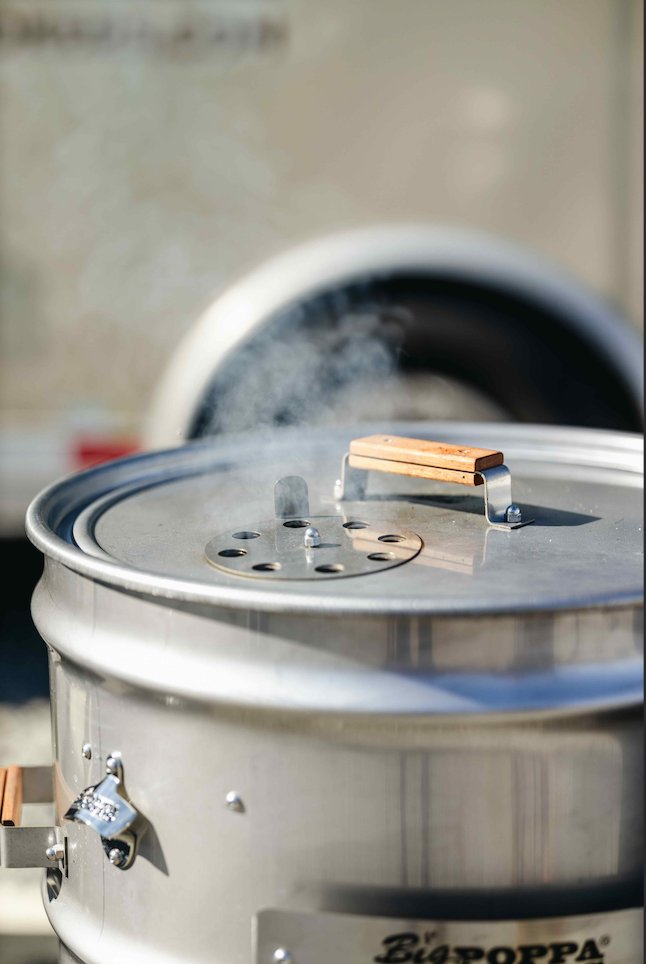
column 612, row 938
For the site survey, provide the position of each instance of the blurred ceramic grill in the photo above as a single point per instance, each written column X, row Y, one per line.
column 401, row 321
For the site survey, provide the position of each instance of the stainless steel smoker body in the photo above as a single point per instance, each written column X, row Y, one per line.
column 262, row 758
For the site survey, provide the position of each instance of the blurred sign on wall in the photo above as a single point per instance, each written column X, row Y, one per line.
column 151, row 152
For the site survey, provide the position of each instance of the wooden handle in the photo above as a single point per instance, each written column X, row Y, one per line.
column 421, row 459
column 459, row 458
column 10, row 796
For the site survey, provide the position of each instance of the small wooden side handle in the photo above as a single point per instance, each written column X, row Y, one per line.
column 421, row 459
column 11, row 794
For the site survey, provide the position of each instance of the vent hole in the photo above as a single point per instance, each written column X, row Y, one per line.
column 381, row 556
column 246, row 535
column 391, row 538
column 331, row 567
column 355, row 525
column 266, row 566
column 296, row 524
column 231, row 553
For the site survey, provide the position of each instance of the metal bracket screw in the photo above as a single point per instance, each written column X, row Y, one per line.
column 117, row 857
column 114, row 765
column 282, row 956
column 86, row 751
column 55, row 852
column 311, row 537
column 514, row 514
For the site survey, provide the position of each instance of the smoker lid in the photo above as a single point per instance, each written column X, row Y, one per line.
column 157, row 523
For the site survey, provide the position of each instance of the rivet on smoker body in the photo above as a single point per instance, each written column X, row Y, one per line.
column 234, row 802
column 282, row 956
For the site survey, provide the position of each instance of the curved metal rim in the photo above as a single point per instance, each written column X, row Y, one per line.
column 48, row 513
column 310, row 268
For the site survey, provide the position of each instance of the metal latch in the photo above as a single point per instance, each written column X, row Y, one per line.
column 106, row 809
column 423, row 459
column 27, row 846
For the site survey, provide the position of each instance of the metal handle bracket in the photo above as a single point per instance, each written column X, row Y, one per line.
column 27, row 846
column 432, row 460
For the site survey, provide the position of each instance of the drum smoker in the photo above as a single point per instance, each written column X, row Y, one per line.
column 340, row 698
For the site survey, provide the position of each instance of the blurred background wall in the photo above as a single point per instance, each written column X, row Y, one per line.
column 153, row 151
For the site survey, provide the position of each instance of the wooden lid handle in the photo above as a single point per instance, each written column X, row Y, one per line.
column 421, row 459
column 11, row 796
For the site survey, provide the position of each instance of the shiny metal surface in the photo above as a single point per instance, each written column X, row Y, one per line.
column 336, row 546
column 56, row 852
column 500, row 510
column 562, row 662
column 281, row 956
column 291, row 497
column 456, row 739
column 321, row 938
column 28, row 846
column 234, row 801
column 311, row 538
column 32, row 846
column 148, row 536
column 106, row 809
column 552, row 611
column 358, row 813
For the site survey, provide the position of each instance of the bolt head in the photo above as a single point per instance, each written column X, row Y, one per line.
column 55, row 852
column 514, row 514
column 282, row 956
column 311, row 537
column 114, row 764
column 86, row 751
column 116, row 857
column 234, row 801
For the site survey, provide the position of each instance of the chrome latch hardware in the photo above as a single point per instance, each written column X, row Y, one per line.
column 106, row 809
